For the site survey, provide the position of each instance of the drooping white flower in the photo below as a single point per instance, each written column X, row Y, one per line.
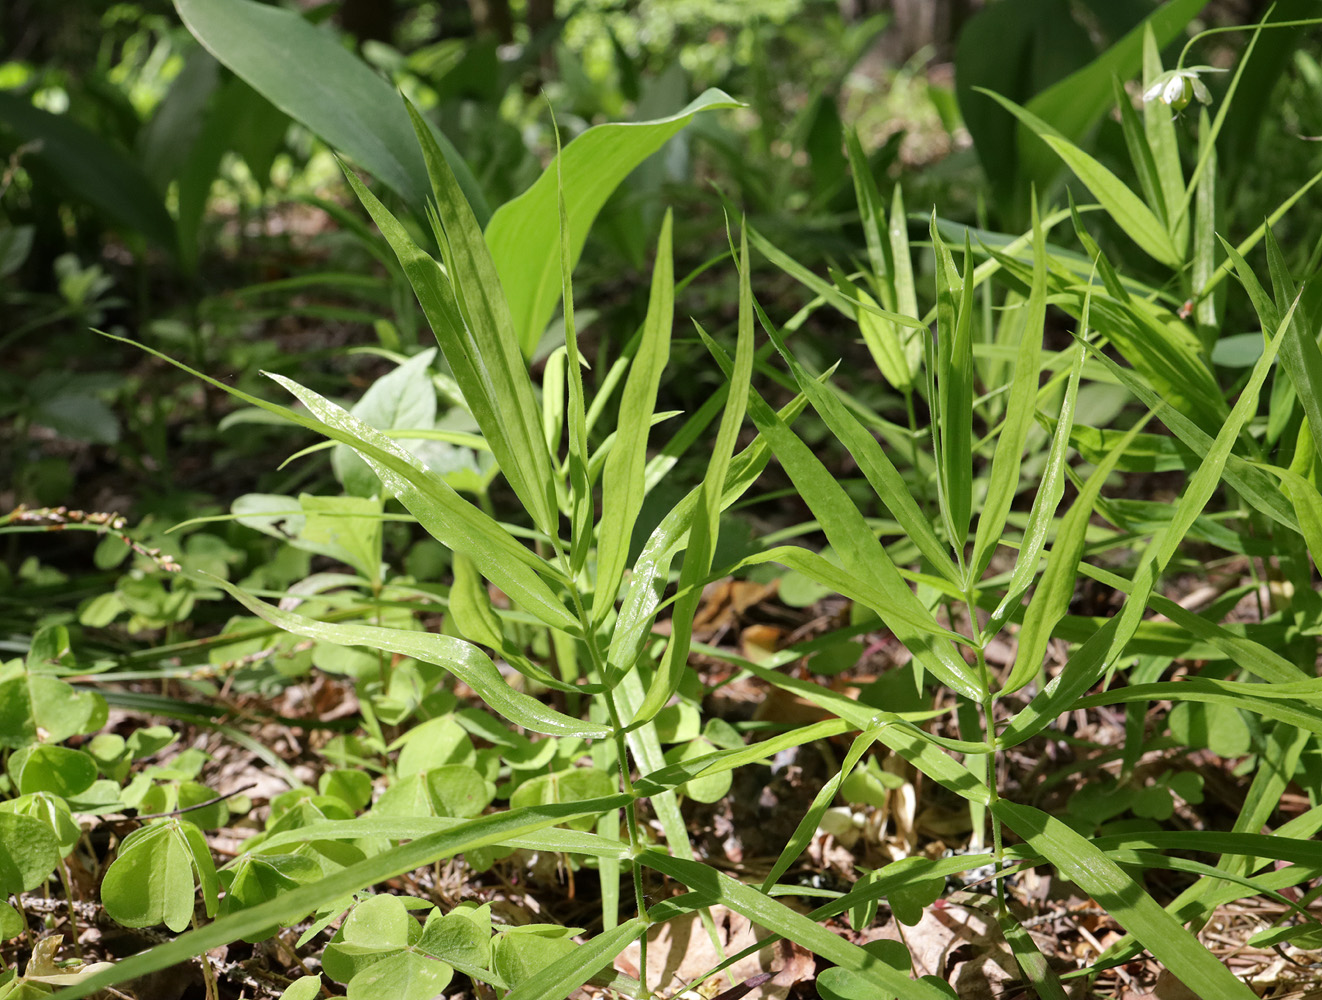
column 1177, row 87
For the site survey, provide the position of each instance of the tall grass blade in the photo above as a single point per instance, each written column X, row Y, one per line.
column 494, row 394
column 623, row 479
column 953, row 372
column 478, row 292
column 580, row 487
column 1007, row 460
column 1055, row 589
column 462, row 659
column 706, row 522
column 1163, row 145
column 872, row 460
column 565, row 975
column 1136, row 220
column 776, row 916
column 1082, row 863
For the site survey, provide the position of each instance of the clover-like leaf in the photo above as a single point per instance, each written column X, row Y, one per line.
column 29, row 853
column 51, row 810
column 42, row 768
column 155, row 876
column 405, row 975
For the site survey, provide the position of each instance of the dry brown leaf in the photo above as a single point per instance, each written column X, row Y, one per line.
column 757, row 642
column 679, row 951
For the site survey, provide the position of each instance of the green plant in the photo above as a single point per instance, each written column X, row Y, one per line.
column 997, row 455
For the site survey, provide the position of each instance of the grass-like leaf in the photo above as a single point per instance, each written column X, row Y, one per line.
column 456, row 523
column 706, row 522
column 464, row 660
column 1007, row 460
column 873, row 462
column 1126, row 208
column 565, row 975
column 1080, row 861
column 623, row 479
column 488, row 332
column 776, row 916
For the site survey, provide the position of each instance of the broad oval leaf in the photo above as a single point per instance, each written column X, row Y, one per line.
column 522, row 232
column 305, row 72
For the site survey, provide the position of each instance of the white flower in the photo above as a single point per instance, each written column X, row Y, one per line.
column 1177, row 87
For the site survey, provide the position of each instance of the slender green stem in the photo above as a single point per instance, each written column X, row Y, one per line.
column 993, row 796
column 1179, row 63
column 63, row 869
column 208, row 974
column 626, row 780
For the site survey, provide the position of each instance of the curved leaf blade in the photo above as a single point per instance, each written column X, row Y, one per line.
column 305, row 72
column 522, row 232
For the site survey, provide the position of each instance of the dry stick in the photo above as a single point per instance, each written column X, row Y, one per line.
column 201, row 805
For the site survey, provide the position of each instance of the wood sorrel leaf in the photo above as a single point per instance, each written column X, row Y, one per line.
column 29, row 853
column 152, row 881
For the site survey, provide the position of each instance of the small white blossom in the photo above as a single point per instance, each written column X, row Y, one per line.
column 1177, row 87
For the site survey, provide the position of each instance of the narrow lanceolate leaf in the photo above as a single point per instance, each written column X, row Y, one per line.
column 807, row 828
column 954, row 384
column 580, row 486
column 1159, row 130
column 1043, row 512
column 1208, row 475
column 1124, row 899
column 1087, row 664
column 1019, row 406
column 647, row 584
column 872, row 461
column 1282, row 702
column 521, row 233
column 497, row 828
column 465, row 306
column 1032, row 963
column 565, row 975
column 1125, row 207
column 450, row 519
column 1054, row 591
column 906, row 295
column 1206, row 222
column 1307, row 505
column 1249, row 481
column 847, row 305
column 623, row 480
column 464, row 660
column 907, row 740
column 707, row 518
column 1300, row 355
column 860, row 552
column 885, row 341
column 1140, row 153
column 869, row 203
column 779, row 918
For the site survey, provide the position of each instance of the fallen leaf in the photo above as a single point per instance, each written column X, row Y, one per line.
column 680, row 951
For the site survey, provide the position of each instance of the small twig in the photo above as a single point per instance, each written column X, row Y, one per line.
column 201, row 805
column 59, row 518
